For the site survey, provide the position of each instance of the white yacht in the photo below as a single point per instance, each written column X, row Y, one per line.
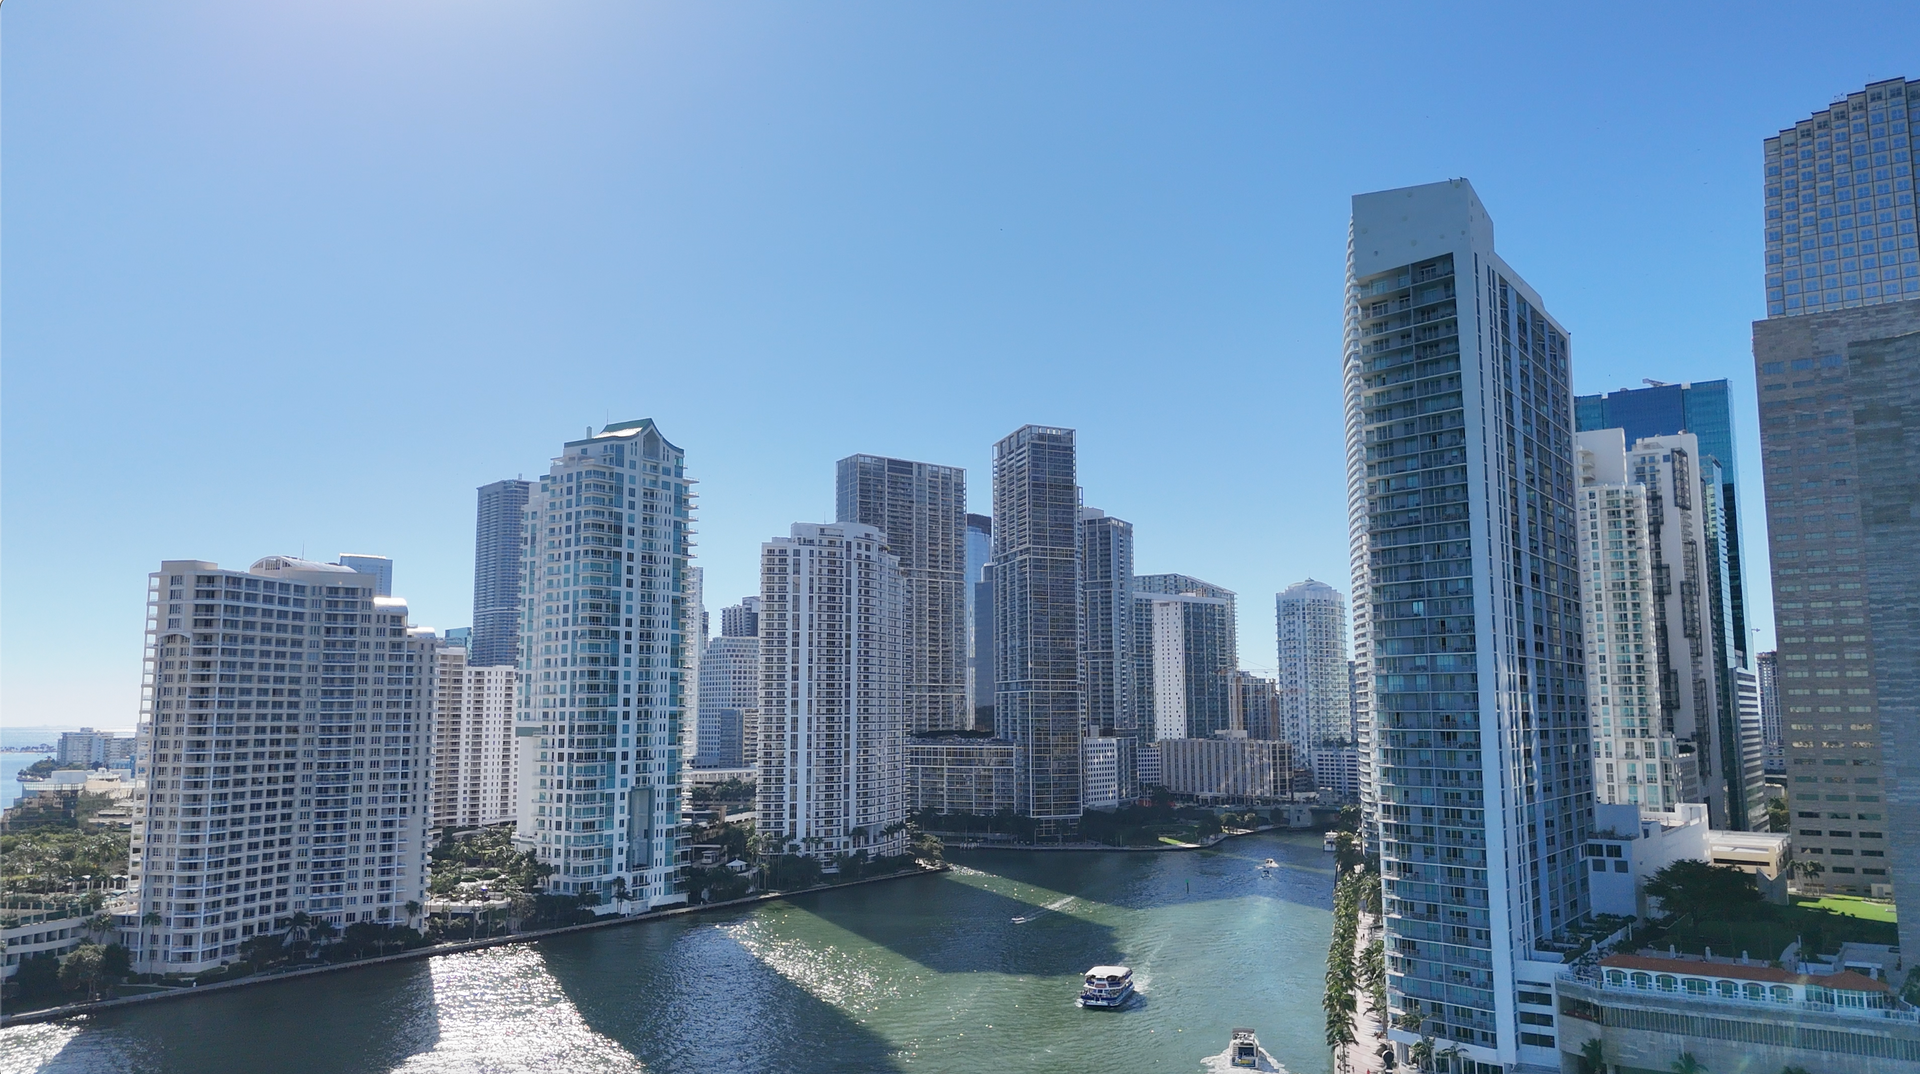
column 1107, row 987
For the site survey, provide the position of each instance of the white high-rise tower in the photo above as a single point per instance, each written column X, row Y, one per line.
column 1461, row 422
column 606, row 642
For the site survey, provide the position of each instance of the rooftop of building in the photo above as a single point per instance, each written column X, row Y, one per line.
column 1734, row 969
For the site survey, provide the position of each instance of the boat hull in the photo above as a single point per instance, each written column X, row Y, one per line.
column 1105, row 1002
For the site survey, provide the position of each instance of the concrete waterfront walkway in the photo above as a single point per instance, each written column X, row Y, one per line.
column 71, row 1010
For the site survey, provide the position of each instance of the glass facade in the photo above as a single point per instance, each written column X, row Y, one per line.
column 498, row 545
column 1839, row 195
column 1479, row 737
column 1036, row 607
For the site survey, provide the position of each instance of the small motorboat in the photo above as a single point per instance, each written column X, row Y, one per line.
column 1244, row 1051
column 1107, row 988
column 1331, row 843
column 1269, row 864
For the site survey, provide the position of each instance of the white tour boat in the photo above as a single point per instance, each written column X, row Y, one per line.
column 1107, row 987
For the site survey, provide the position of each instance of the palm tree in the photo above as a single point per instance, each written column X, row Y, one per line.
column 1593, row 1057
column 413, row 911
column 1687, row 1064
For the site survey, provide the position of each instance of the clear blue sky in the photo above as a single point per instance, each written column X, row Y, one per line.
column 286, row 277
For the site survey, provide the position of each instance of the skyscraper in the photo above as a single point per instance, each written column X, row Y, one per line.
column 1767, row 666
column 1106, row 588
column 1665, row 705
column 282, row 625
column 1036, row 608
column 606, row 640
column 1705, row 409
column 729, row 700
column 1185, row 656
column 979, row 641
column 1460, row 412
column 741, row 620
column 922, row 508
column 833, row 693
column 1838, row 366
column 498, row 558
column 380, row 567
column 1310, row 620
column 475, row 776
column 1835, row 225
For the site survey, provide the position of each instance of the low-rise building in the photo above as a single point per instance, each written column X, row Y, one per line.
column 1629, row 845
column 961, row 772
column 1227, row 769
column 1731, row 1015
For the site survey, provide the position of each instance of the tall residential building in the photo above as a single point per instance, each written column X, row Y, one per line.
column 268, row 664
column 1310, row 622
column 1259, row 712
column 979, row 636
column 729, row 701
column 1838, row 359
column 1665, row 707
column 476, row 769
column 1461, row 440
column 1767, row 667
column 89, row 747
column 499, row 553
column 1705, row 409
column 1185, row 656
column 697, row 623
column 922, row 508
column 1106, row 592
column 380, row 567
column 741, row 620
column 1036, row 621
column 833, row 692
column 606, row 642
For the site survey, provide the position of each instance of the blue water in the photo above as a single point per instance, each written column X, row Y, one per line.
column 12, row 763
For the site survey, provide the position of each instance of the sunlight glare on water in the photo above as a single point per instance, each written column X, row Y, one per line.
column 501, row 1012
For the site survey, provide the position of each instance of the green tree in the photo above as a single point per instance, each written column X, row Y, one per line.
column 1776, row 814
column 84, row 969
column 38, row 976
column 1704, row 890
column 1593, row 1057
column 116, row 961
column 1687, row 1064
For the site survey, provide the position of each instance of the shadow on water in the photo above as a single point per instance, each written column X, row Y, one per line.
column 295, row 1027
column 1134, row 880
column 687, row 997
column 943, row 933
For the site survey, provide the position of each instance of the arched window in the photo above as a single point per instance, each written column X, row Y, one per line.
column 1642, row 980
column 1616, row 977
column 1781, row 994
column 1727, row 989
column 1756, row 991
column 1666, row 982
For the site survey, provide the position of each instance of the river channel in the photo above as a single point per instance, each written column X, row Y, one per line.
column 974, row 970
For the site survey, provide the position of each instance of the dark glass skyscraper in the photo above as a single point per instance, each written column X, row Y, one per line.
column 497, row 550
column 922, row 508
column 1036, row 607
column 1106, row 588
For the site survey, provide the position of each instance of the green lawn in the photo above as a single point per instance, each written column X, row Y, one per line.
column 1824, row 924
column 1852, row 906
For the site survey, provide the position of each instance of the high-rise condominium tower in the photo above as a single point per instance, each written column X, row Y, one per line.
column 729, row 701
column 1838, row 365
column 605, row 645
column 1036, row 607
column 1185, row 656
column 979, row 637
column 922, row 508
column 499, row 552
column 1310, row 620
column 286, row 659
column 1461, row 415
column 1705, row 409
column 833, row 692
column 741, row 620
column 1106, row 589
column 476, row 775
column 1665, row 702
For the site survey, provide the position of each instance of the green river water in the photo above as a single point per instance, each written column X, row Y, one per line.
column 974, row 970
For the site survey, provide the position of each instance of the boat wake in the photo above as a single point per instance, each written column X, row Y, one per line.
column 1054, row 906
column 1223, row 1063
